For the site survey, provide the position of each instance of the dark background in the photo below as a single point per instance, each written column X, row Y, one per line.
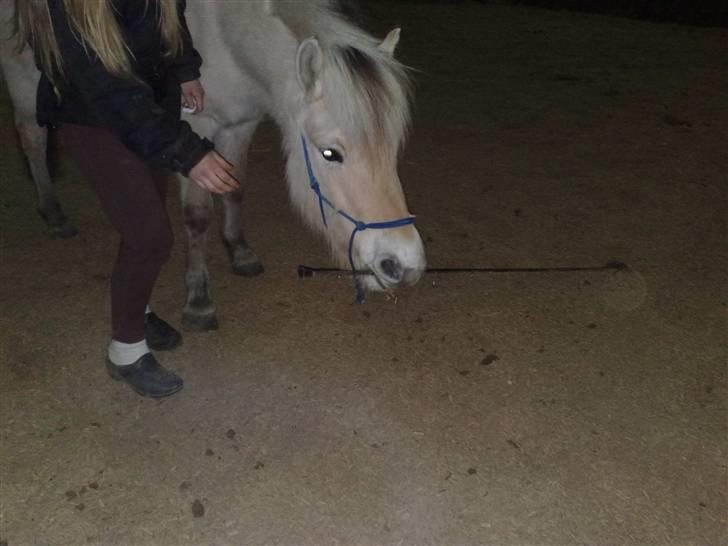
column 692, row 12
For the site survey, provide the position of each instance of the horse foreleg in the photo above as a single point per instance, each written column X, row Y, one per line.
column 199, row 312
column 34, row 141
column 233, row 143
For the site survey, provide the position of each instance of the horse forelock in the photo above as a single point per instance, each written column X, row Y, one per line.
column 368, row 91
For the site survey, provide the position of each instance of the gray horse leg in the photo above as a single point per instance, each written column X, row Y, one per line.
column 21, row 76
column 232, row 143
column 199, row 312
column 242, row 259
column 34, row 140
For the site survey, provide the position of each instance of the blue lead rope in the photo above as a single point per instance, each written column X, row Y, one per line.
column 358, row 224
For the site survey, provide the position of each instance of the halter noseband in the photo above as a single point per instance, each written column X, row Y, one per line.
column 358, row 224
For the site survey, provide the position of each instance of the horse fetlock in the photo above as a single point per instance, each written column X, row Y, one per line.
column 196, row 280
column 56, row 221
column 64, row 231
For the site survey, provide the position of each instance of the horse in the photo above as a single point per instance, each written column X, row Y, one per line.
column 342, row 103
column 21, row 77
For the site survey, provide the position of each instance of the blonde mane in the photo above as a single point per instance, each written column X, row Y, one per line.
column 367, row 89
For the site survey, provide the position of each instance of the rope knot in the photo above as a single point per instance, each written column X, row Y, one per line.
column 360, row 226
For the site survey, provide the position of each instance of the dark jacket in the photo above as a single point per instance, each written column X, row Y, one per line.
column 143, row 113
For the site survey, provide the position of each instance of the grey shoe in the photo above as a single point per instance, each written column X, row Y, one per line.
column 160, row 335
column 146, row 377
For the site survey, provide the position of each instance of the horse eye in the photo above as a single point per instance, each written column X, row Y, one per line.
column 332, row 155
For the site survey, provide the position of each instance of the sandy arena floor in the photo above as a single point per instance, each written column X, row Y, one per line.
column 563, row 408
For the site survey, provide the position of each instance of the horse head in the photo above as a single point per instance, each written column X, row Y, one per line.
column 352, row 113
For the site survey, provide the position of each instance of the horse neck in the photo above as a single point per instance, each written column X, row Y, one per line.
column 265, row 50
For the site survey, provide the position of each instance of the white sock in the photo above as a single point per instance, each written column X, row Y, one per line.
column 123, row 354
column 149, row 310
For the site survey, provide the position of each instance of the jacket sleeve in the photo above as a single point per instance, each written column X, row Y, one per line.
column 186, row 66
column 125, row 106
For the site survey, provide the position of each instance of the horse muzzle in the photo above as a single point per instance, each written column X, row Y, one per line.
column 391, row 274
column 396, row 259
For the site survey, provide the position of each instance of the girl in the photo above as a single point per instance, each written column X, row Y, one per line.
column 114, row 75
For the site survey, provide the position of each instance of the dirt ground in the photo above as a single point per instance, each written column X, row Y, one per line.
column 564, row 408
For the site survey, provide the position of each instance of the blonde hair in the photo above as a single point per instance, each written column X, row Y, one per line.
column 97, row 28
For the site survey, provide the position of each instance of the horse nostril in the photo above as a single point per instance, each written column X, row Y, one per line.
column 391, row 268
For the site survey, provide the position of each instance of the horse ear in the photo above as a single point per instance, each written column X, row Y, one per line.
column 309, row 59
column 390, row 42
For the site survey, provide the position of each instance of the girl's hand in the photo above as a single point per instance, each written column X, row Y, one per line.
column 213, row 173
column 193, row 96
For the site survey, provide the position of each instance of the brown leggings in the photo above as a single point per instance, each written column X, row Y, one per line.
column 133, row 198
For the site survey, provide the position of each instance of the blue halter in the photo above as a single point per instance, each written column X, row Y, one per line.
column 358, row 224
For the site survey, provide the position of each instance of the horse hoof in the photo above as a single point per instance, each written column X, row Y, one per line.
column 64, row 231
column 250, row 269
column 199, row 323
column 243, row 260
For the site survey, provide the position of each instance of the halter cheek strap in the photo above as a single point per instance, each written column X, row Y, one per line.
column 358, row 224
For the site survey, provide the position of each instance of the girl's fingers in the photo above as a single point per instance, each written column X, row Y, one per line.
column 207, row 184
column 227, row 182
column 191, row 102
column 197, row 101
column 216, row 183
column 214, row 173
column 224, row 163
